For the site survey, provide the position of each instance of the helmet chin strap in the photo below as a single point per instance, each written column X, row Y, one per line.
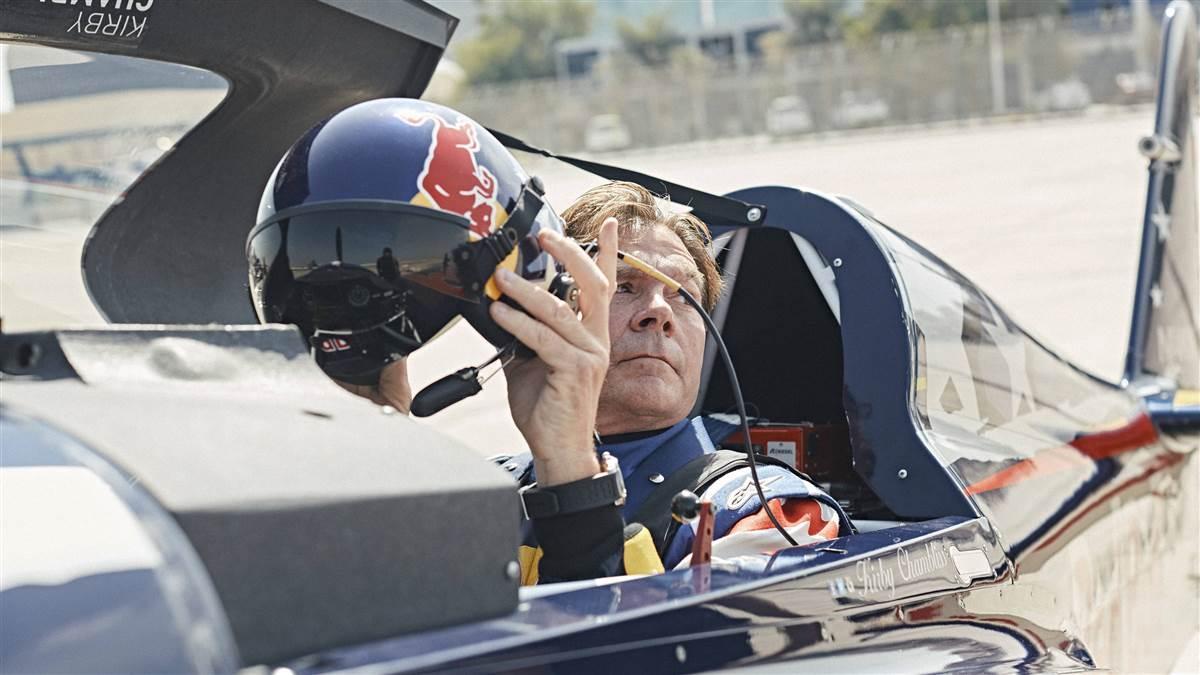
column 475, row 262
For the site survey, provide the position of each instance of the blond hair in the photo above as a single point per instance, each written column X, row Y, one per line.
column 635, row 209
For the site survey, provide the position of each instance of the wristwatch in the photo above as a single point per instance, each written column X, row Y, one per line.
column 606, row 488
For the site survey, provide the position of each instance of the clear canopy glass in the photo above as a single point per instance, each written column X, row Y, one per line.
column 75, row 131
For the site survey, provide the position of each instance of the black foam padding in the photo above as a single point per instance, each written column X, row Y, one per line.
column 322, row 520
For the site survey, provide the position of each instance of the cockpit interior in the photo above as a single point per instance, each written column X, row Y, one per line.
column 781, row 327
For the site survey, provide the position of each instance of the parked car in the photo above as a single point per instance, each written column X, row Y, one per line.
column 1136, row 87
column 860, row 109
column 605, row 133
column 788, row 115
column 1064, row 96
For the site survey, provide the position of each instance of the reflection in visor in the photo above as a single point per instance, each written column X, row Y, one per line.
column 367, row 281
column 352, row 269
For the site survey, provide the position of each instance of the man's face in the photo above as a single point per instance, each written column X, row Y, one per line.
column 657, row 340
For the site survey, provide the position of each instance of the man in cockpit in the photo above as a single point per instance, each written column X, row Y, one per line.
column 623, row 382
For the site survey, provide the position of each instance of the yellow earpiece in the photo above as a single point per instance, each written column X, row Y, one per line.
column 649, row 270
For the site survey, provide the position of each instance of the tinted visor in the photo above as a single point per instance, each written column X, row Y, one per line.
column 351, row 266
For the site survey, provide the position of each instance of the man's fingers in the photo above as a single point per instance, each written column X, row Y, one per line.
column 545, row 308
column 394, row 386
column 548, row 314
column 549, row 345
column 606, row 260
column 606, row 257
column 364, row 390
column 594, row 287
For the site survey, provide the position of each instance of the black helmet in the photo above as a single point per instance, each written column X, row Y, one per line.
column 383, row 224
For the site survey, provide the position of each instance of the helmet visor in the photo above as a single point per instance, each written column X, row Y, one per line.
column 350, row 267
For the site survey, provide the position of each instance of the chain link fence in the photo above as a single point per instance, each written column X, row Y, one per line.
column 1049, row 66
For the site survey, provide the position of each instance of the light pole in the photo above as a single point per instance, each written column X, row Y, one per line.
column 996, row 55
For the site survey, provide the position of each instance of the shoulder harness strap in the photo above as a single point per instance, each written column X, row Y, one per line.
column 697, row 475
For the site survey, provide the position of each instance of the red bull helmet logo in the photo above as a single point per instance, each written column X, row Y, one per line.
column 331, row 345
column 452, row 178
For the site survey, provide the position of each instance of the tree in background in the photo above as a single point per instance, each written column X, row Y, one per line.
column 887, row 16
column 895, row 16
column 650, row 41
column 517, row 38
column 815, row 21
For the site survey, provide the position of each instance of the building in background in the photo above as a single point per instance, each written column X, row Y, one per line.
column 726, row 84
column 725, row 30
column 722, row 30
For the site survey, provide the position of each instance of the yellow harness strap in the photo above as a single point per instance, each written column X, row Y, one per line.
column 529, row 557
column 641, row 557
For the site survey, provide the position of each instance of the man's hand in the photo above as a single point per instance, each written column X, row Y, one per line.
column 553, row 397
column 393, row 388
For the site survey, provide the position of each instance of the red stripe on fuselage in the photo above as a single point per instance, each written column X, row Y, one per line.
column 1137, row 433
column 1162, row 462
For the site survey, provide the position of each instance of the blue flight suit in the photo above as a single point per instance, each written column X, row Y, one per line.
column 592, row 545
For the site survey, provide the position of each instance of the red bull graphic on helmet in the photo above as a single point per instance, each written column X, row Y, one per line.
column 452, row 179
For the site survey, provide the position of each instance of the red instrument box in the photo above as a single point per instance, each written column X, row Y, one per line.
column 785, row 442
column 820, row 450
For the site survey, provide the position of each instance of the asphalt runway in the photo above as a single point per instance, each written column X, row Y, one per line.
column 1043, row 214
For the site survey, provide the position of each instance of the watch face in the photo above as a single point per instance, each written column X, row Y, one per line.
column 620, row 481
column 610, row 464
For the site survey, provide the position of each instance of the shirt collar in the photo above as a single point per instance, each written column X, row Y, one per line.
column 631, row 453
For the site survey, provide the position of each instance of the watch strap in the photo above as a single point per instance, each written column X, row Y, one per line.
column 604, row 489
